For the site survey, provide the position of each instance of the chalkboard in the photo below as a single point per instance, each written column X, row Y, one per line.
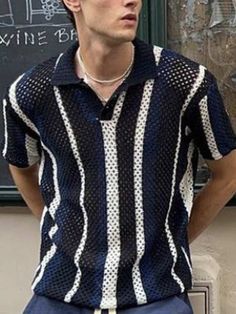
column 30, row 32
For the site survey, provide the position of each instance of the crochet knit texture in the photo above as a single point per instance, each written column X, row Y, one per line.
column 118, row 180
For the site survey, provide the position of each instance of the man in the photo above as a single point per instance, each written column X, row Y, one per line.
column 116, row 125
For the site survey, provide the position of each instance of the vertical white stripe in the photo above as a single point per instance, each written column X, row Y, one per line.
column 75, row 151
column 41, row 168
column 206, row 123
column 5, row 128
column 31, row 150
column 113, row 228
column 109, row 288
column 57, row 198
column 56, row 201
column 169, row 235
column 186, row 184
column 112, row 311
column 157, row 53
column 30, row 143
column 40, row 175
column 16, row 107
column 138, row 191
column 45, row 209
column 57, row 61
column 187, row 259
column 52, row 210
column 97, row 311
column 35, row 272
column 117, row 110
column 46, row 259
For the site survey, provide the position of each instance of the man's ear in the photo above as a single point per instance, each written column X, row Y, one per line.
column 72, row 5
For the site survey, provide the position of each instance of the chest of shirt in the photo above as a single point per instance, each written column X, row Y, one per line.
column 143, row 112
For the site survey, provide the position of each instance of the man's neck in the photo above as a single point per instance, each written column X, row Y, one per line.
column 106, row 62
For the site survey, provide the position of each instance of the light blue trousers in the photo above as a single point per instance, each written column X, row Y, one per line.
column 178, row 304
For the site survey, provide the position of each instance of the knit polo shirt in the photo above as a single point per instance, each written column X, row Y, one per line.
column 118, row 180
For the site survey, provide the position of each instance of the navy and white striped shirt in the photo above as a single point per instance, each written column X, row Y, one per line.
column 118, row 180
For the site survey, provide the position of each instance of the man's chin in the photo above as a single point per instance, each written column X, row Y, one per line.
column 122, row 38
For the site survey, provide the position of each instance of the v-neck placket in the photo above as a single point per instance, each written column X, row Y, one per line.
column 144, row 68
column 109, row 111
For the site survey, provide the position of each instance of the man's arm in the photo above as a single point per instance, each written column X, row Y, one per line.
column 26, row 180
column 215, row 194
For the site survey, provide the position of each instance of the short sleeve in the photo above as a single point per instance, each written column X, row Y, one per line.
column 20, row 146
column 210, row 124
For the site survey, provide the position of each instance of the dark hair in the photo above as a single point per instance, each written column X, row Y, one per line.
column 69, row 15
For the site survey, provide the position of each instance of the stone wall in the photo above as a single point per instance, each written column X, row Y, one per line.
column 205, row 31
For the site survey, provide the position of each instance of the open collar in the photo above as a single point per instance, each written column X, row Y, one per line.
column 144, row 67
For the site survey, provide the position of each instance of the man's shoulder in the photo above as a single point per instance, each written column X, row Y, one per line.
column 176, row 59
column 32, row 87
column 179, row 67
column 39, row 75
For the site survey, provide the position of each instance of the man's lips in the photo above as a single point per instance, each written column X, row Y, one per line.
column 131, row 17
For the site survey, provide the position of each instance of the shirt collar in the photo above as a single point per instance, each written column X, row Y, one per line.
column 144, row 67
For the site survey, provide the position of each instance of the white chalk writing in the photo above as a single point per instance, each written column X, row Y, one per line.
column 36, row 38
